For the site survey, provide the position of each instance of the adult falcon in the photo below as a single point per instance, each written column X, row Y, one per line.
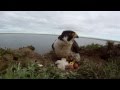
column 65, row 45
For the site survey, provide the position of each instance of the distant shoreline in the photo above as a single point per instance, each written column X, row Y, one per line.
column 57, row 35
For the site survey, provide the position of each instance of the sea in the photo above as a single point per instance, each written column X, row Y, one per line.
column 41, row 42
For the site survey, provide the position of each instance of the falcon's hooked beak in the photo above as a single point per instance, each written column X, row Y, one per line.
column 76, row 36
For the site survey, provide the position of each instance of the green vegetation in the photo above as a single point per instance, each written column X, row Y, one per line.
column 88, row 70
column 97, row 62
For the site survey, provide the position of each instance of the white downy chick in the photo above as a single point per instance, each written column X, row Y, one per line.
column 61, row 64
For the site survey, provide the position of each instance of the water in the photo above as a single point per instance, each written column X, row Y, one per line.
column 42, row 43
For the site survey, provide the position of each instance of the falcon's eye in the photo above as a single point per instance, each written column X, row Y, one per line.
column 73, row 34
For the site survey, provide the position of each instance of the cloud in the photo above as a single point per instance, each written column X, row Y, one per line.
column 98, row 24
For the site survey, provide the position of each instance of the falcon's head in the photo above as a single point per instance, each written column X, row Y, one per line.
column 68, row 35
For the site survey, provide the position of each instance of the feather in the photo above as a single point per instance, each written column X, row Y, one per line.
column 75, row 47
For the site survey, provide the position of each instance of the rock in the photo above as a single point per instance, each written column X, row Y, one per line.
column 40, row 65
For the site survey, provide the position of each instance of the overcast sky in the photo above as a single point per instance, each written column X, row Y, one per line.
column 97, row 24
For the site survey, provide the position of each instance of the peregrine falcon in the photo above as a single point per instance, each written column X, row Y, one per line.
column 65, row 45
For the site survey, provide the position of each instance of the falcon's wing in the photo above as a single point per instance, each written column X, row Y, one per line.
column 75, row 47
column 53, row 46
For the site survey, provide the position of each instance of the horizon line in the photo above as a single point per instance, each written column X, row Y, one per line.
column 58, row 34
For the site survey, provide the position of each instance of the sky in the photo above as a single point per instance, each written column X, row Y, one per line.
column 95, row 24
